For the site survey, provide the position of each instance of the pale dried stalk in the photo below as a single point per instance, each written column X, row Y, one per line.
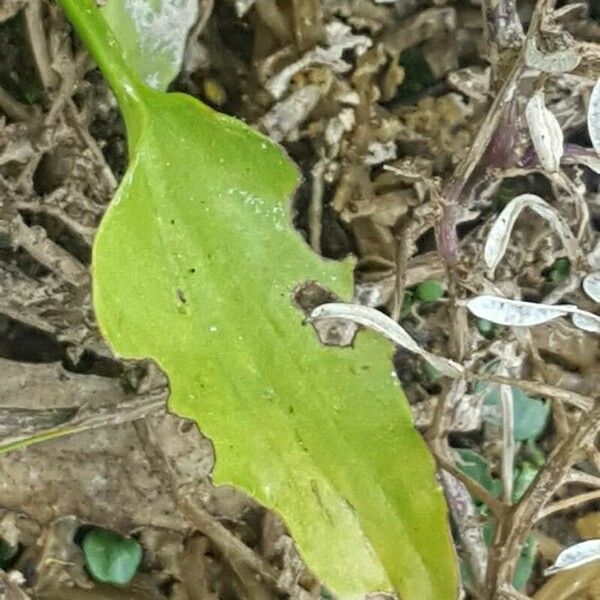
column 512, row 529
column 568, row 503
column 508, row 442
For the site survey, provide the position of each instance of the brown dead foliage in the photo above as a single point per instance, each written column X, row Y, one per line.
column 407, row 120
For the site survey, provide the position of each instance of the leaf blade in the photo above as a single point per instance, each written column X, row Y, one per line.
column 319, row 451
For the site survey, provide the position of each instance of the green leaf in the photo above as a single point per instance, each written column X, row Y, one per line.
column 430, row 291
column 530, row 414
column 194, row 266
column 152, row 35
column 559, row 271
column 111, row 558
column 524, row 475
column 476, row 467
column 525, row 564
column 487, row 328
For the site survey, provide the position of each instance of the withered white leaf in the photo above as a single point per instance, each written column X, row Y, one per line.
column 515, row 313
column 384, row 325
column 590, row 160
column 499, row 235
column 555, row 63
column 545, row 131
column 339, row 39
column 575, row 556
column 591, row 286
column 593, row 117
column 518, row 313
column 586, row 321
column 287, row 115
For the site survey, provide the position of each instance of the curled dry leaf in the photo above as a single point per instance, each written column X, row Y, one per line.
column 377, row 321
column 339, row 39
column 593, row 117
column 513, row 312
column 287, row 115
column 591, row 286
column 517, row 313
column 586, row 321
column 575, row 556
column 499, row 235
column 554, row 63
column 545, row 131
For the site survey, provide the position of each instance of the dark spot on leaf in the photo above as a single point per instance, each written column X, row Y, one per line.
column 181, row 296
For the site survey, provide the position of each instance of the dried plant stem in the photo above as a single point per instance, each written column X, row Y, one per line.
column 84, row 419
column 475, row 489
column 316, row 206
column 37, row 38
column 568, row 503
column 466, row 517
column 508, row 441
column 13, row 108
column 403, row 243
column 512, row 527
column 576, row 476
column 453, row 189
column 250, row 567
column 584, row 403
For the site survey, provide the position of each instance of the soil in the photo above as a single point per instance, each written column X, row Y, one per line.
column 412, row 134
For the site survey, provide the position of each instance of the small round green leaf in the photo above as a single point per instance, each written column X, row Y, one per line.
column 530, row 414
column 487, row 328
column 430, row 291
column 111, row 558
column 476, row 467
column 525, row 473
column 559, row 271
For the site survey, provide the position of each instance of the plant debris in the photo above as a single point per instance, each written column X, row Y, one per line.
column 426, row 135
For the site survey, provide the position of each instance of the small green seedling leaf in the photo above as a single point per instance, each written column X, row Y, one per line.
column 534, row 454
column 110, row 557
column 525, row 564
column 194, row 265
column 407, row 304
column 476, row 467
column 530, row 414
column 430, row 291
column 487, row 328
column 524, row 475
column 559, row 271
